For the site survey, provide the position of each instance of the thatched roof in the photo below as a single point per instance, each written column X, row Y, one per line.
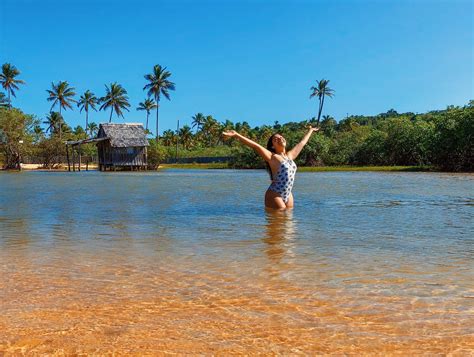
column 123, row 135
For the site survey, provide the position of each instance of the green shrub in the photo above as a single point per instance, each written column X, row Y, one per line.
column 16, row 136
column 156, row 154
column 453, row 142
column 51, row 152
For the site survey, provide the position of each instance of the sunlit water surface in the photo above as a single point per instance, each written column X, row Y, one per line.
column 190, row 262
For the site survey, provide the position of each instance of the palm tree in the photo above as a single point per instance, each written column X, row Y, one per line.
column 226, row 126
column 243, row 128
column 38, row 133
column 4, row 103
column 61, row 94
column 93, row 129
column 210, row 128
column 116, row 98
column 148, row 105
column 8, row 81
column 86, row 101
column 264, row 132
column 80, row 132
column 198, row 121
column 328, row 125
column 158, row 83
column 321, row 90
column 168, row 137
column 54, row 121
column 186, row 136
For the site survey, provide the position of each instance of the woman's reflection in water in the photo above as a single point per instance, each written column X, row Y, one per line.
column 279, row 240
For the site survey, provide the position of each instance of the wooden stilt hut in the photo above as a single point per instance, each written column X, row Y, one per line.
column 118, row 146
column 125, row 146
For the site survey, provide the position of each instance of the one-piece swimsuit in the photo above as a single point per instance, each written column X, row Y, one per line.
column 283, row 181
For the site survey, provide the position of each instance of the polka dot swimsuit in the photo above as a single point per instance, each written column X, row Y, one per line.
column 285, row 177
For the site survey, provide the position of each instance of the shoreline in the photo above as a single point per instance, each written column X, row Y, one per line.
column 221, row 166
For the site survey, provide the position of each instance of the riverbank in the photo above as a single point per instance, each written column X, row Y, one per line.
column 308, row 169
column 39, row 167
column 367, row 168
column 223, row 165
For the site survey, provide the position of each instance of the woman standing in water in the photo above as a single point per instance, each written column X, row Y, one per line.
column 280, row 163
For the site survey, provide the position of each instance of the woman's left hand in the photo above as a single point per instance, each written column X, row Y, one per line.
column 229, row 134
column 313, row 129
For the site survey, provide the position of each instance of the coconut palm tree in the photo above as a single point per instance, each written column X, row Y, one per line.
column 61, row 94
column 54, row 121
column 198, row 121
column 186, row 136
column 243, row 128
column 158, row 83
column 321, row 90
column 226, row 126
column 116, row 99
column 93, row 129
column 169, row 137
column 38, row 133
column 87, row 101
column 210, row 128
column 148, row 105
column 8, row 81
column 328, row 125
column 80, row 132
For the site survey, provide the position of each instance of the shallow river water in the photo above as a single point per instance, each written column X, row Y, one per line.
column 190, row 262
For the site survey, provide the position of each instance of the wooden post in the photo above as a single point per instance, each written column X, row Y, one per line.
column 87, row 163
column 67, row 156
column 73, row 160
column 79, row 153
column 146, row 159
column 103, row 157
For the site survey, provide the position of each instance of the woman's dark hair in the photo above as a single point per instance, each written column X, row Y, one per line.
column 272, row 149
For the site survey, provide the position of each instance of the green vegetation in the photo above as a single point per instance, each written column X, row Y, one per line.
column 116, row 99
column 16, row 136
column 436, row 140
column 321, row 90
column 61, row 94
column 86, row 102
column 4, row 102
column 158, row 83
column 9, row 81
column 147, row 105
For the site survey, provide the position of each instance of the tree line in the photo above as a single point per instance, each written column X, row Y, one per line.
column 440, row 138
column 63, row 97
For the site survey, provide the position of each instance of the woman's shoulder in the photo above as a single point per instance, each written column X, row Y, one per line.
column 277, row 157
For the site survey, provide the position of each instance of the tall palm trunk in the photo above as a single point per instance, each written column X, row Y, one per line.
column 111, row 111
column 87, row 120
column 321, row 104
column 60, row 122
column 157, row 108
column 9, row 99
column 147, row 115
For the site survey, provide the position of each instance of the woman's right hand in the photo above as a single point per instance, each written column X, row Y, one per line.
column 229, row 133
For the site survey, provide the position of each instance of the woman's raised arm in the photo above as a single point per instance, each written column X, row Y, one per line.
column 264, row 153
column 293, row 153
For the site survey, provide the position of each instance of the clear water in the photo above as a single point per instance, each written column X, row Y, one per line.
column 190, row 261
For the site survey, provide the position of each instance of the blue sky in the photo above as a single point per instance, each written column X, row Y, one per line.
column 248, row 61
